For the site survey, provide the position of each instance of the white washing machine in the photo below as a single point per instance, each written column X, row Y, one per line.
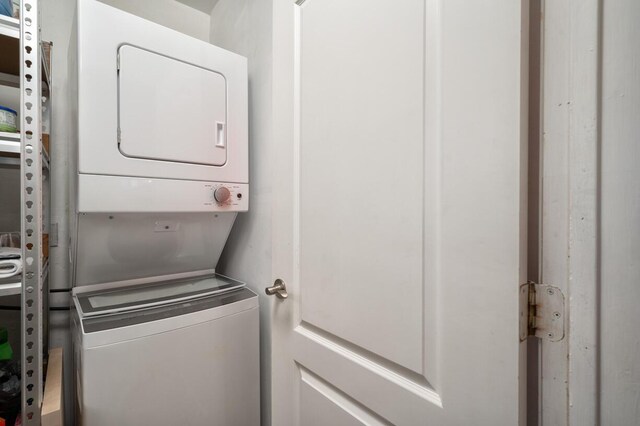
column 159, row 172
column 178, row 352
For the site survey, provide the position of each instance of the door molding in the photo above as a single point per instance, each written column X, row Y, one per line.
column 570, row 236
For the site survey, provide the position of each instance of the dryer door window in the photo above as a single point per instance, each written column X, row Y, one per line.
column 169, row 110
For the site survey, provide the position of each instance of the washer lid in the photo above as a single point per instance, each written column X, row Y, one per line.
column 101, row 330
column 136, row 297
column 170, row 110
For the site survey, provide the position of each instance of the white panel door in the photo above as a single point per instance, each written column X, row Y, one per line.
column 399, row 216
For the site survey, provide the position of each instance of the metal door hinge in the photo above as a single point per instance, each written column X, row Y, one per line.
column 541, row 312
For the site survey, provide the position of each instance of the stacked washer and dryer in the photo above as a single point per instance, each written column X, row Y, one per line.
column 160, row 171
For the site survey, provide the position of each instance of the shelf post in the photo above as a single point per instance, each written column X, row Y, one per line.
column 31, row 209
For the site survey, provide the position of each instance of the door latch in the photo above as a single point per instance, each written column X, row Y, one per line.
column 278, row 288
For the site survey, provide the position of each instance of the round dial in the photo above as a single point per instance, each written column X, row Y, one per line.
column 221, row 194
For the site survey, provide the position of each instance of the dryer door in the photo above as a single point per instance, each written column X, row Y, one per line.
column 169, row 110
column 153, row 103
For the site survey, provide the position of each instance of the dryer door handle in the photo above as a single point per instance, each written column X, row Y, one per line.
column 220, row 135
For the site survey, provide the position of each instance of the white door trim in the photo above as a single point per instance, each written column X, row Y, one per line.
column 570, row 206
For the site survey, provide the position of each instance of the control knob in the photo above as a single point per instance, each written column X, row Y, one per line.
column 221, row 194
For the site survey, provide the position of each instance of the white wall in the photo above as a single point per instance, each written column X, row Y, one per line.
column 620, row 214
column 245, row 27
column 57, row 16
column 169, row 13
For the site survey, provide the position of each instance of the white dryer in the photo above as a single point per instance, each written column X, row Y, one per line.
column 160, row 153
column 155, row 105
column 159, row 173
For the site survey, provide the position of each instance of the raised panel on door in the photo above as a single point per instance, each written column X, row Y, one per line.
column 322, row 404
column 398, row 222
column 361, row 177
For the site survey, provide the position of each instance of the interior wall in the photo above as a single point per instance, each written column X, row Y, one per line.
column 245, row 27
column 620, row 213
column 9, row 197
column 56, row 18
column 169, row 13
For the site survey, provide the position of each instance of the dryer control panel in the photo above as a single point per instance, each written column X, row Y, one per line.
column 98, row 193
column 228, row 195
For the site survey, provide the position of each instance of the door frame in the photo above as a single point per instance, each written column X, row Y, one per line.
column 569, row 224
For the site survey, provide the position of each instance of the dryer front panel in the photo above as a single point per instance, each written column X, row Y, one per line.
column 156, row 103
column 169, row 110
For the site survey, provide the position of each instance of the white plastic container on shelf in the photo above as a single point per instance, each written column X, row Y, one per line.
column 8, row 120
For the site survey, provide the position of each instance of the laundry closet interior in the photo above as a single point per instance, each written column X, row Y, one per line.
column 319, row 212
column 150, row 171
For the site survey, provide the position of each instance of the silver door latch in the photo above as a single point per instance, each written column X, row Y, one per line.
column 278, row 288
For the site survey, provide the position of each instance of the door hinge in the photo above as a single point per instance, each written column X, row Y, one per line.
column 541, row 312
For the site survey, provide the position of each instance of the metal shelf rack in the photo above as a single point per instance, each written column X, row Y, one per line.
column 23, row 66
